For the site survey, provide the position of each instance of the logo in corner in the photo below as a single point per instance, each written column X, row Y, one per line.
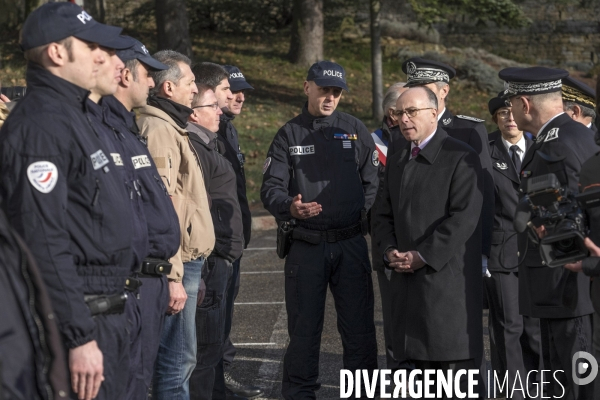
column 266, row 165
column 581, row 368
column 42, row 175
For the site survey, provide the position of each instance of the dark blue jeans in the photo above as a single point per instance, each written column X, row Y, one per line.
column 177, row 351
column 210, row 328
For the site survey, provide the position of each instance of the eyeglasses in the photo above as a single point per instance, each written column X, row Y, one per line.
column 410, row 112
column 214, row 106
column 504, row 114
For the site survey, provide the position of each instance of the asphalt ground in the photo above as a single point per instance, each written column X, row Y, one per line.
column 260, row 325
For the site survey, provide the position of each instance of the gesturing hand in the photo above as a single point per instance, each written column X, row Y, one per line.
column 300, row 210
column 87, row 370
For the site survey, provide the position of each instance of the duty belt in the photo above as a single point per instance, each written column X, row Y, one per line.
column 155, row 267
column 330, row 236
column 106, row 304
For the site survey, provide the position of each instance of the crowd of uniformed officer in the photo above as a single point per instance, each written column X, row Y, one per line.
column 125, row 242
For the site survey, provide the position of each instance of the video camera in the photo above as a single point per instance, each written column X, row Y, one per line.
column 548, row 202
column 14, row 93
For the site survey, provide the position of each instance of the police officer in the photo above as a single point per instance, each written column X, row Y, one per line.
column 579, row 102
column 63, row 195
column 589, row 181
column 514, row 339
column 560, row 298
column 436, row 76
column 161, row 223
column 321, row 170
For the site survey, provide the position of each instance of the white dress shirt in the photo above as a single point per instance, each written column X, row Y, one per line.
column 522, row 147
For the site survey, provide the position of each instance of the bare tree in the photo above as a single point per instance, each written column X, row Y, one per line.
column 173, row 27
column 306, row 44
column 376, row 63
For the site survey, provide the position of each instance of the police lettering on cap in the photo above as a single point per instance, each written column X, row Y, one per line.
column 578, row 92
column 420, row 71
column 532, row 80
column 137, row 51
column 327, row 73
column 53, row 22
column 498, row 102
column 237, row 81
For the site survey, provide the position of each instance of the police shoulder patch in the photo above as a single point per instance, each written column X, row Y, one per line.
column 551, row 135
column 266, row 165
column 375, row 158
column 42, row 175
column 470, row 118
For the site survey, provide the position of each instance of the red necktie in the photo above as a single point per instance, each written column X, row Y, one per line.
column 415, row 151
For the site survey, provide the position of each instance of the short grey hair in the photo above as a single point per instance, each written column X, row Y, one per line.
column 392, row 94
column 585, row 111
column 171, row 59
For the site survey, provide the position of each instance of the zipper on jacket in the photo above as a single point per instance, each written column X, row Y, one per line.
column 96, row 193
column 161, row 184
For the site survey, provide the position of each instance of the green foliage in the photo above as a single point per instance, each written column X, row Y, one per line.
column 257, row 16
column 501, row 12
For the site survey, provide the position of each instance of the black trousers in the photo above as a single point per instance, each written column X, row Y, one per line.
column 210, row 328
column 232, row 292
column 228, row 348
column 561, row 339
column 113, row 341
column 146, row 314
column 514, row 339
column 345, row 268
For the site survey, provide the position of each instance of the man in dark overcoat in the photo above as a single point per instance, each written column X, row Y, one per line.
column 430, row 230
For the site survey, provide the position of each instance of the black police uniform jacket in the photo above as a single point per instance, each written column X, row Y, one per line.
column 220, row 182
column 329, row 160
column 431, row 204
column 472, row 132
column 229, row 137
column 113, row 142
column 65, row 198
column 554, row 292
column 32, row 359
column 590, row 181
column 503, row 257
column 162, row 222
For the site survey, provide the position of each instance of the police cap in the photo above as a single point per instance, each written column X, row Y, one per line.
column 237, row 81
column 578, row 92
column 327, row 73
column 138, row 51
column 420, row 71
column 53, row 22
column 532, row 80
column 498, row 102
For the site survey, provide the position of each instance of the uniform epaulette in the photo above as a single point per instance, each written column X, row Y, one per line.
column 470, row 118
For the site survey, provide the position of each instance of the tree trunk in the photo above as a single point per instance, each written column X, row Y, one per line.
column 376, row 64
column 95, row 8
column 597, row 121
column 306, row 44
column 172, row 26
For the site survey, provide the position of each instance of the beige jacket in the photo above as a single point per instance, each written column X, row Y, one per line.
column 182, row 173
